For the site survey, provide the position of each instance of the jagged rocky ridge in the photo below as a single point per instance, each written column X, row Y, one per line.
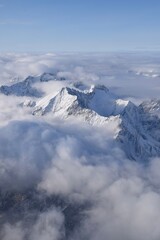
column 137, row 132
column 26, row 88
column 72, row 101
column 138, row 127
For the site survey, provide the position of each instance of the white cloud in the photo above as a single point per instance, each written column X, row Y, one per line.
column 71, row 161
column 80, row 163
column 48, row 226
column 122, row 72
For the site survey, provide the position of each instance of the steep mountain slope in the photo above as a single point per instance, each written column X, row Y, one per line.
column 136, row 129
column 138, row 135
column 71, row 101
column 25, row 87
column 152, row 106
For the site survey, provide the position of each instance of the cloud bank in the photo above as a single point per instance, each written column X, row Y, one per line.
column 70, row 180
column 122, row 197
column 123, row 72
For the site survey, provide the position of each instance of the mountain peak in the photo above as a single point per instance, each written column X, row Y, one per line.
column 97, row 99
column 25, row 88
column 99, row 87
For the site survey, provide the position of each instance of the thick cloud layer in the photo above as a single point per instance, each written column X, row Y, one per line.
column 121, row 71
column 78, row 164
column 27, row 148
column 49, row 226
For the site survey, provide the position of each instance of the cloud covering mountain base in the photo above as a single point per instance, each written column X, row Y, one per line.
column 68, row 179
column 116, row 197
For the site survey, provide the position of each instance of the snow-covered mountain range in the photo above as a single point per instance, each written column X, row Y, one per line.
column 137, row 128
column 26, row 88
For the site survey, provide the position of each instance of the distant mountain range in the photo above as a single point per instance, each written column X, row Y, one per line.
column 25, row 87
column 137, row 128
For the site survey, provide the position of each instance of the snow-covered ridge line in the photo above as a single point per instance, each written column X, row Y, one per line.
column 98, row 99
column 136, row 128
column 25, row 88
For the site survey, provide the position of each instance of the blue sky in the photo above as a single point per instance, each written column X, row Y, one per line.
column 79, row 25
